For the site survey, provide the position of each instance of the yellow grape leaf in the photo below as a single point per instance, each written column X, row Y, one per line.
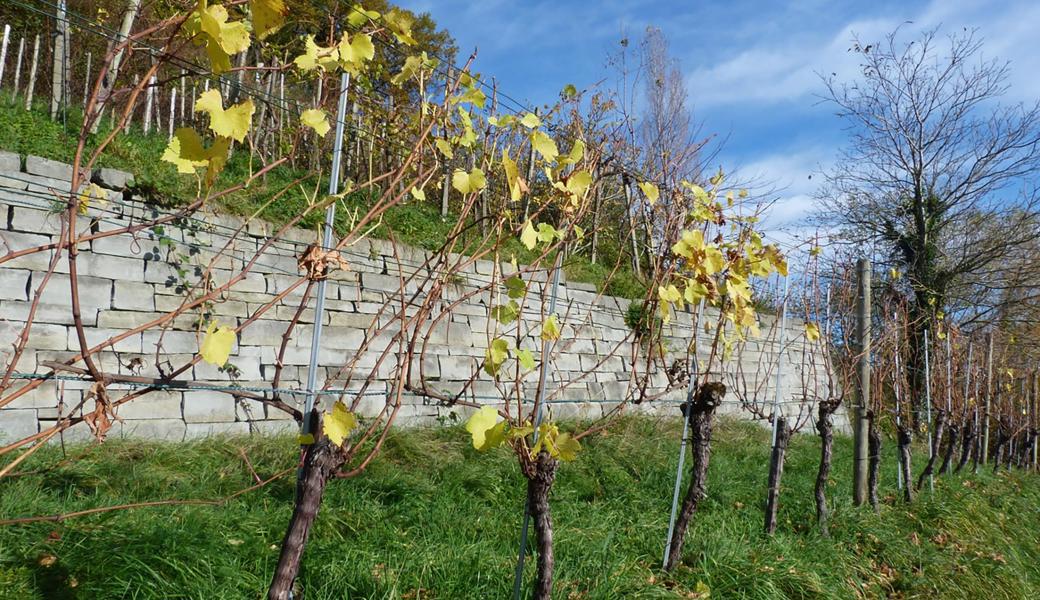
column 551, row 329
column 222, row 39
column 233, row 123
column 567, row 447
column 473, row 96
column 482, row 426
column 357, row 50
column 544, row 145
column 305, row 439
column 894, row 274
column 694, row 291
column 530, row 121
column 815, row 251
column 338, row 424
column 529, row 237
column 315, row 119
column 690, row 242
column 359, row 16
column 512, row 176
column 315, row 56
column 92, row 192
column 216, row 346
column 578, row 183
column 670, row 294
column 524, row 357
column 418, row 193
column 496, row 354
column 268, row 16
column 577, row 152
column 812, row 332
column 400, row 24
column 650, row 191
column 467, row 183
column 714, row 261
column 444, row 146
column 775, row 258
column 503, row 121
column 185, row 151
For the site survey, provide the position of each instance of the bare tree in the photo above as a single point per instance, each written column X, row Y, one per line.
column 937, row 172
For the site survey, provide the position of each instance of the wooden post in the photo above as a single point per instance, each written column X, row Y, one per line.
column 3, row 52
column 149, row 99
column 61, row 29
column 860, row 427
column 18, row 69
column 989, row 397
column 86, row 81
column 184, row 94
column 173, row 112
column 32, row 73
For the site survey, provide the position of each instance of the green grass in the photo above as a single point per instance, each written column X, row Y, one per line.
column 431, row 518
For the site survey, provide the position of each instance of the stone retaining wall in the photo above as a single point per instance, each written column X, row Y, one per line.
column 126, row 281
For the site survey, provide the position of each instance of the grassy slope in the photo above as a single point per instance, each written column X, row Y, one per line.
column 413, row 223
column 433, row 519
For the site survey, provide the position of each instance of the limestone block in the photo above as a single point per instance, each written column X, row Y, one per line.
column 47, row 336
column 46, row 167
column 208, row 407
column 10, row 161
column 113, row 178
column 169, row 430
column 130, row 295
column 94, row 292
column 163, row 404
column 205, row 430
column 14, row 284
column 16, row 424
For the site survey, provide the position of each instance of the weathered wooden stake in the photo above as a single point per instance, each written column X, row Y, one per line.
column 18, row 69
column 149, row 100
column 58, row 75
column 3, row 52
column 32, row 73
column 861, row 424
column 86, row 80
column 989, row 396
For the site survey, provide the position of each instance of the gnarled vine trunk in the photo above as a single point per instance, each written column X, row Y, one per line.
column 874, row 448
column 776, row 473
column 700, row 413
column 967, row 444
column 905, row 439
column 320, row 463
column 929, row 468
column 825, row 426
column 952, row 435
column 540, row 479
column 1002, row 442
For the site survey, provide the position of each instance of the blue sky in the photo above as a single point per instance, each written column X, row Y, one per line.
column 750, row 65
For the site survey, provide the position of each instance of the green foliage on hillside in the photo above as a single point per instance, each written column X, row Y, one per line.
column 413, row 223
column 434, row 515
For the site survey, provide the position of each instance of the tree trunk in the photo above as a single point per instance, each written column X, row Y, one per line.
column 776, row 472
column 940, row 426
column 700, row 414
column 538, row 485
column 874, row 447
column 322, row 460
column 905, row 439
column 952, row 435
column 826, row 428
column 967, row 443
